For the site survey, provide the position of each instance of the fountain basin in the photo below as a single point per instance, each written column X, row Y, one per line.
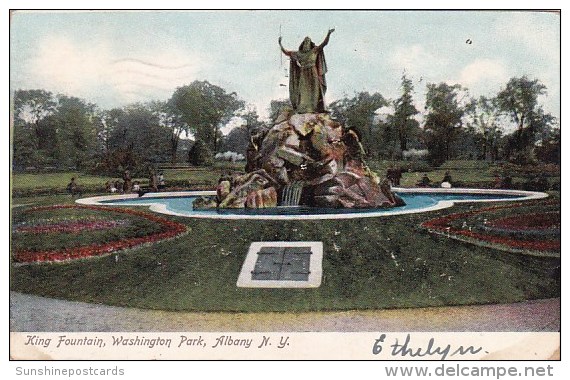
column 417, row 200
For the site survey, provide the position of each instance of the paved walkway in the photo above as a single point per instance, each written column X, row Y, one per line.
column 33, row 313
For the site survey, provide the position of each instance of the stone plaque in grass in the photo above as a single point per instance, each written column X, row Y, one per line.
column 282, row 265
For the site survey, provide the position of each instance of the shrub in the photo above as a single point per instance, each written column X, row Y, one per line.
column 200, row 154
column 415, row 154
column 229, row 156
column 536, row 184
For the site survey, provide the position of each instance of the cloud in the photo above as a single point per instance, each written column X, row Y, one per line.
column 416, row 60
column 480, row 72
column 61, row 65
column 99, row 72
column 530, row 30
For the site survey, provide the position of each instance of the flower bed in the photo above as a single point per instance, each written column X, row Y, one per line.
column 168, row 229
column 534, row 232
column 529, row 222
column 69, row 226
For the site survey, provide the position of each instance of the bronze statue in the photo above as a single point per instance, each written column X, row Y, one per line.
column 307, row 84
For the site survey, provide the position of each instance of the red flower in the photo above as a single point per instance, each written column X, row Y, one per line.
column 443, row 225
column 170, row 229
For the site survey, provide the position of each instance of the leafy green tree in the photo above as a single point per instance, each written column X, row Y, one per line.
column 485, row 118
column 171, row 119
column 24, row 151
column 204, row 107
column 103, row 122
column 404, row 112
column 238, row 138
column 56, row 131
column 446, row 106
column 359, row 113
column 30, row 108
column 32, row 135
column 76, row 133
column 200, row 154
column 549, row 148
column 519, row 100
column 136, row 139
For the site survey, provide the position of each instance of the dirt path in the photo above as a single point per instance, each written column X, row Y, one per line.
column 33, row 313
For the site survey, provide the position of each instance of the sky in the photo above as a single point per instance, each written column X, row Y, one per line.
column 116, row 58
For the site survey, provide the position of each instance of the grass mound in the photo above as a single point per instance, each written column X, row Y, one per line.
column 369, row 263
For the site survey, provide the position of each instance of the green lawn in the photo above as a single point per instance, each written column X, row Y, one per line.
column 469, row 173
column 368, row 263
column 27, row 181
column 32, row 184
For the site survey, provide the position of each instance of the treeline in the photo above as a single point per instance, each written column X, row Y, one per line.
column 64, row 132
column 67, row 132
column 511, row 126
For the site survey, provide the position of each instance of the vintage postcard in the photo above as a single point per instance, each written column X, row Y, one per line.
column 286, row 185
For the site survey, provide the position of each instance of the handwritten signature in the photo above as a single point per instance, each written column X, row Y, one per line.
column 406, row 349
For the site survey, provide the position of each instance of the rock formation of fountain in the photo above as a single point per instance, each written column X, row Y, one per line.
column 304, row 159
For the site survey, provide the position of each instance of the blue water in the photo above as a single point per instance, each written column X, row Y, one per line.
column 417, row 201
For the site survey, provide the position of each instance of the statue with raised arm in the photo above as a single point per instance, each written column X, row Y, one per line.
column 307, row 84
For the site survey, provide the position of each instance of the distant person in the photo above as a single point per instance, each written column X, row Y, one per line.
column 127, row 181
column 153, row 180
column 446, row 182
column 424, row 182
column 397, row 176
column 118, row 187
column 73, row 188
column 136, row 186
column 160, row 179
column 394, row 175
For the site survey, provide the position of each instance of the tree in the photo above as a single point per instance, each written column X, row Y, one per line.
column 136, row 139
column 204, row 107
column 25, row 153
column 31, row 106
column 200, row 154
column 404, row 111
column 359, row 113
column 104, row 121
column 549, row 148
column 519, row 100
column 446, row 105
column 60, row 130
column 485, row 119
column 171, row 119
column 238, row 138
column 76, row 134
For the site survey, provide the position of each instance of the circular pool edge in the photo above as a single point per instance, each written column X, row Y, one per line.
column 162, row 209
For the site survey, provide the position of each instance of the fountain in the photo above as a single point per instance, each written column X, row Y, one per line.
column 307, row 166
column 306, row 157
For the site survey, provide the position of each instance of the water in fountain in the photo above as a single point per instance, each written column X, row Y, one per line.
column 291, row 195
